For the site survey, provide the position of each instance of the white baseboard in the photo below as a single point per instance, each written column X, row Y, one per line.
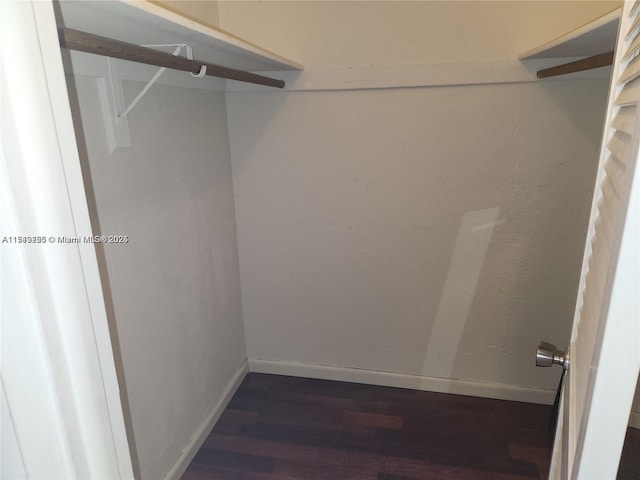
column 416, row 382
column 634, row 418
column 201, row 434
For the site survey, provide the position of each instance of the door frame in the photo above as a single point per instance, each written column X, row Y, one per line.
column 589, row 447
column 58, row 365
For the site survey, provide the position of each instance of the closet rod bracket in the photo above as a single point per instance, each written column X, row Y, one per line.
column 117, row 83
column 114, row 107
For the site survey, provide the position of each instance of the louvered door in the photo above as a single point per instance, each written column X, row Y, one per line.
column 605, row 342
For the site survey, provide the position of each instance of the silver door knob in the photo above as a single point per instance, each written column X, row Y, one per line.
column 548, row 354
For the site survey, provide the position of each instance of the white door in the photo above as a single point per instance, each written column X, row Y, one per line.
column 60, row 392
column 604, row 351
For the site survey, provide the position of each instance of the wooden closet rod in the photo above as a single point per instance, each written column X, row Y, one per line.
column 87, row 42
column 597, row 61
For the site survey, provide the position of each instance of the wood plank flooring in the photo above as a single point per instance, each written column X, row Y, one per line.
column 286, row 428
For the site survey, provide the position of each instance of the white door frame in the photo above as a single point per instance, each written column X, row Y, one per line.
column 58, row 369
column 591, row 429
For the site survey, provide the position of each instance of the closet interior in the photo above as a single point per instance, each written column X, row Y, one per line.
column 413, row 222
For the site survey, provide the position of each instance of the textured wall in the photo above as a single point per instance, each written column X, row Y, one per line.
column 323, row 34
column 434, row 232
column 428, row 231
column 174, row 286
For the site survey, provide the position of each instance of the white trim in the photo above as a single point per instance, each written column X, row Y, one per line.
column 417, row 382
column 201, row 434
column 335, row 79
column 65, row 329
column 605, row 360
column 413, row 76
column 634, row 419
column 80, row 211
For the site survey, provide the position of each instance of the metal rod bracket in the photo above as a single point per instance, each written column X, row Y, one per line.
column 161, row 70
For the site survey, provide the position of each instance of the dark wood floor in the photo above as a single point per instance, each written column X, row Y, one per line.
column 286, row 428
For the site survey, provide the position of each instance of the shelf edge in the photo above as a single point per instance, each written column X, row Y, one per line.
column 214, row 33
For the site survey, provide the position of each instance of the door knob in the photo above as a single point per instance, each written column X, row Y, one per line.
column 548, row 354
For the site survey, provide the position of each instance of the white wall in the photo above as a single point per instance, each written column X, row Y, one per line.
column 175, row 285
column 432, row 232
column 204, row 11
column 326, row 34
column 11, row 463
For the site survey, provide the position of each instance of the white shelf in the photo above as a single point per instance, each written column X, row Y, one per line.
column 144, row 23
column 598, row 36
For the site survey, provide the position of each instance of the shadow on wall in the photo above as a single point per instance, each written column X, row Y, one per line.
column 636, row 403
column 569, row 105
column 100, row 256
column 272, row 102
